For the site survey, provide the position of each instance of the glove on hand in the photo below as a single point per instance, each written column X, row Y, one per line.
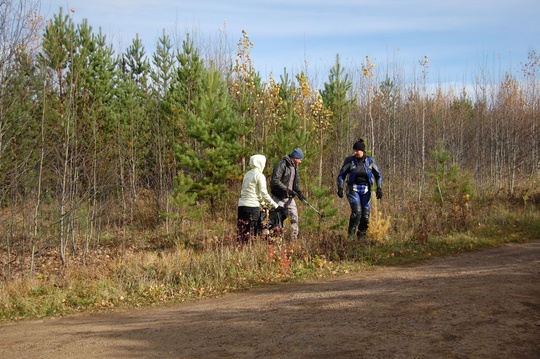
column 301, row 197
column 340, row 192
column 379, row 193
column 280, row 210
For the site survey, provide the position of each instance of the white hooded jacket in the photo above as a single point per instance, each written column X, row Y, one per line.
column 254, row 185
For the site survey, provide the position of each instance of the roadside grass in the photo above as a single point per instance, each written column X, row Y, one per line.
column 176, row 272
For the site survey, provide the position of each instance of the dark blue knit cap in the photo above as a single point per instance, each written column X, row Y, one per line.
column 297, row 153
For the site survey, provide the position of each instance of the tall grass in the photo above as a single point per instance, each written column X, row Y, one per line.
column 153, row 272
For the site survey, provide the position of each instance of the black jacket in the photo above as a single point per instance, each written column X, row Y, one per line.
column 281, row 176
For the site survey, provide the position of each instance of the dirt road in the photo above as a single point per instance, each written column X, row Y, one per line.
column 475, row 305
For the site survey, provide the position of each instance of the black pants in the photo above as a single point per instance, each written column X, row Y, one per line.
column 247, row 225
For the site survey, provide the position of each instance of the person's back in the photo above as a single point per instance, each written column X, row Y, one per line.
column 252, row 193
column 254, row 183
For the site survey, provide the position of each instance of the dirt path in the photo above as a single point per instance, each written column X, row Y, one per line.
column 475, row 305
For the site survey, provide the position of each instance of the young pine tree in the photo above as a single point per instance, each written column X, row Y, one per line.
column 212, row 154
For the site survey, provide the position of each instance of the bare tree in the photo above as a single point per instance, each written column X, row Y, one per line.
column 19, row 28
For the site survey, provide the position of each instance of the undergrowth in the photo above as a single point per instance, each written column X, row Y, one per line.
column 171, row 270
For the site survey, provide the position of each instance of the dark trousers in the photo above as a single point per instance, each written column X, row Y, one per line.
column 247, row 225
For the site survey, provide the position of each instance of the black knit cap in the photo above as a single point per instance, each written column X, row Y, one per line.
column 359, row 145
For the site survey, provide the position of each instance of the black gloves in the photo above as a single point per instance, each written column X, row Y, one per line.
column 300, row 196
column 281, row 210
column 340, row 192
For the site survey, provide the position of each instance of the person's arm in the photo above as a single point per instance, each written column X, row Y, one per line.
column 297, row 191
column 378, row 178
column 277, row 174
column 376, row 173
column 263, row 192
column 345, row 168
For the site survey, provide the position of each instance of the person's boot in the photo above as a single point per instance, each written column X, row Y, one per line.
column 351, row 231
column 361, row 235
column 354, row 220
column 363, row 226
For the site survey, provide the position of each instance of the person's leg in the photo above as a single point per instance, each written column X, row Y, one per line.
column 262, row 223
column 247, row 221
column 365, row 204
column 254, row 214
column 292, row 213
column 242, row 233
column 354, row 219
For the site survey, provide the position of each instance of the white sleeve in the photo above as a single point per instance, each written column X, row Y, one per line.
column 261, row 180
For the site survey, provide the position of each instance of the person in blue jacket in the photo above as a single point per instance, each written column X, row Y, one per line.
column 360, row 172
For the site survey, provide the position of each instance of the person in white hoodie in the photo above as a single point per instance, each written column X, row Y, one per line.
column 252, row 194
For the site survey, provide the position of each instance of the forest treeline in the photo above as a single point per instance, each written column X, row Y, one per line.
column 91, row 139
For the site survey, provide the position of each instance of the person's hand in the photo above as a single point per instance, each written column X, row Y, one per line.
column 280, row 209
column 301, row 196
column 340, row 192
column 379, row 193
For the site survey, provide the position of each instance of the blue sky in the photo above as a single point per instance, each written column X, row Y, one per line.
column 462, row 38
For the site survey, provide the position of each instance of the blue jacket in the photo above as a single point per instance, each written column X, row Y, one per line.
column 350, row 168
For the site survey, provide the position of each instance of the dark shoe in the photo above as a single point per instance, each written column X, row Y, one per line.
column 361, row 235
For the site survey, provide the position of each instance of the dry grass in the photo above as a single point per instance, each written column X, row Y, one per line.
column 150, row 267
column 380, row 224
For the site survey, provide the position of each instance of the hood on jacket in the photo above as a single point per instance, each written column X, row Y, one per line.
column 258, row 162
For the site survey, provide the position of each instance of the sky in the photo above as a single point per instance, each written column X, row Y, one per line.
column 461, row 38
